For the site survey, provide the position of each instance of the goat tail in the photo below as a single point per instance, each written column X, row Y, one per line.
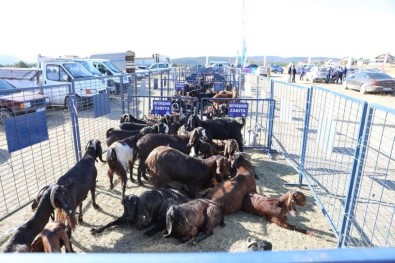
column 111, row 155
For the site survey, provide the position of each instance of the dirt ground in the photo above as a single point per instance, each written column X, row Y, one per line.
column 273, row 173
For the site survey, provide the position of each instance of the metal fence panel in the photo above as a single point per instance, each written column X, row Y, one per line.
column 289, row 119
column 372, row 214
column 333, row 135
column 24, row 172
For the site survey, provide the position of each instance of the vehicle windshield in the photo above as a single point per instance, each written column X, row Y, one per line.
column 377, row 75
column 4, row 85
column 112, row 67
column 90, row 67
column 77, row 70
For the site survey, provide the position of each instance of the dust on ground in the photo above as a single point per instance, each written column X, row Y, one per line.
column 273, row 173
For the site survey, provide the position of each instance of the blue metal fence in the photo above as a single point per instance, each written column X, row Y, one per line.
column 344, row 149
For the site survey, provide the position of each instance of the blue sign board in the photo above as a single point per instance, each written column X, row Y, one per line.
column 238, row 109
column 179, row 85
column 25, row 130
column 161, row 107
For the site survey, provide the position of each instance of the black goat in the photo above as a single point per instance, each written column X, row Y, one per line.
column 114, row 135
column 219, row 129
column 193, row 220
column 50, row 198
column 148, row 210
column 81, row 178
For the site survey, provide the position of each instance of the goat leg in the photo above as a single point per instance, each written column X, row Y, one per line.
column 80, row 218
column 110, row 175
column 131, row 164
column 294, row 228
column 93, row 194
column 201, row 236
column 118, row 221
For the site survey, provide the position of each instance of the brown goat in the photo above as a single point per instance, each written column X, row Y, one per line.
column 230, row 194
column 166, row 164
column 275, row 209
column 194, row 220
column 52, row 238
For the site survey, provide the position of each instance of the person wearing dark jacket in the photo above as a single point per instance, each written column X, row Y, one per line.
column 293, row 73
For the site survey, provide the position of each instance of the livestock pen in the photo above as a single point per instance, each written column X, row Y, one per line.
column 289, row 119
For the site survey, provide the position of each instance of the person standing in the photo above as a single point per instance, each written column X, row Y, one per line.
column 340, row 73
column 328, row 75
column 293, row 73
column 290, row 72
column 302, row 74
column 345, row 71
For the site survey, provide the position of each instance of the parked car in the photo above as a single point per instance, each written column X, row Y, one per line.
column 276, row 69
column 316, row 74
column 141, row 72
column 15, row 102
column 370, row 81
column 262, row 71
column 250, row 68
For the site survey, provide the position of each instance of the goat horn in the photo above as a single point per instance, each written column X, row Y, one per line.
column 52, row 196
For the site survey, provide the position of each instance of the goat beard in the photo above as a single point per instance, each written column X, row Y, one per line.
column 67, row 219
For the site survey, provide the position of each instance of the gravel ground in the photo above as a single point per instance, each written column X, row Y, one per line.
column 231, row 238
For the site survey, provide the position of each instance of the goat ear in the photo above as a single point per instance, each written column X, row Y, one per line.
column 99, row 151
column 169, row 221
column 37, row 244
column 292, row 205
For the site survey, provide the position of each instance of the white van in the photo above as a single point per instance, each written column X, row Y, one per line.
column 106, row 67
column 156, row 68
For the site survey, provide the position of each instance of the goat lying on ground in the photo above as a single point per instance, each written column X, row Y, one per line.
column 275, row 209
column 219, row 129
column 193, row 220
column 81, row 178
column 258, row 245
column 230, row 194
column 148, row 210
column 52, row 238
column 120, row 157
column 166, row 164
column 50, row 198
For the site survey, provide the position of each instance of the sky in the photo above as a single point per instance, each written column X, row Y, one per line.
column 193, row 28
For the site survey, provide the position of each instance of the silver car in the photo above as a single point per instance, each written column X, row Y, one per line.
column 370, row 81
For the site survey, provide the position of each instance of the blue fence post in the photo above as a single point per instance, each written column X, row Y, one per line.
column 309, row 98
column 356, row 174
column 272, row 106
column 72, row 106
column 122, row 94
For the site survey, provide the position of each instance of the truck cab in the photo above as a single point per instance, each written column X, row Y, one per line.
column 55, row 71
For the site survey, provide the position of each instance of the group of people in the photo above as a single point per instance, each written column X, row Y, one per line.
column 333, row 74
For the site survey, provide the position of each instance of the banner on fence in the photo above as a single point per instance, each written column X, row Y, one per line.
column 179, row 85
column 161, row 107
column 237, row 110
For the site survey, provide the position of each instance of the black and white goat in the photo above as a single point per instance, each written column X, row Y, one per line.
column 120, row 159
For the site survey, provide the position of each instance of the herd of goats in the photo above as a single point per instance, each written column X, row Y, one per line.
column 197, row 179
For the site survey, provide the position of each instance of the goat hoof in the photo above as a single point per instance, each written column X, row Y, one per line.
column 80, row 220
column 96, row 206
